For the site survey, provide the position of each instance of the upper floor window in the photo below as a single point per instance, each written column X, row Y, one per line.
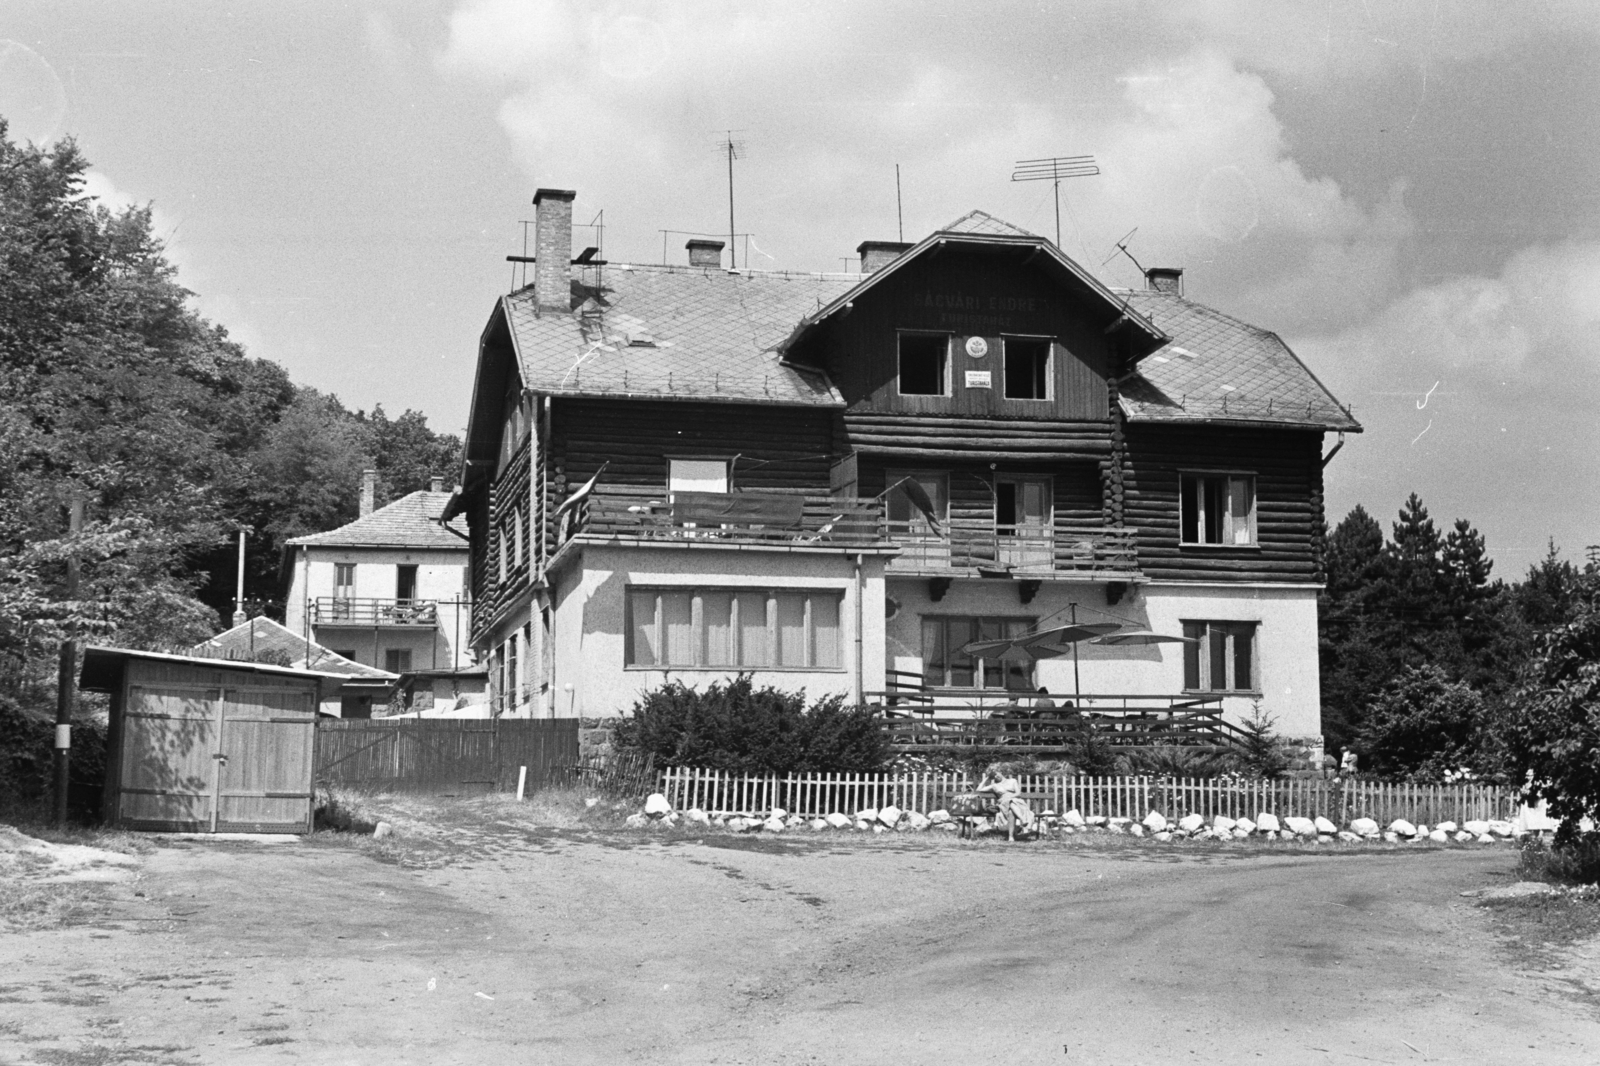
column 697, row 475
column 1027, row 368
column 405, row 583
column 1222, row 657
column 344, row 580
column 924, row 364
column 1218, row 508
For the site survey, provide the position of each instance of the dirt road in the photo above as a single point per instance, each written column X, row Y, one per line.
column 565, row 947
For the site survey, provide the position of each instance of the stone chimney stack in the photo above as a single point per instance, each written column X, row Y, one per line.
column 552, row 235
column 369, row 491
column 436, row 484
column 875, row 255
column 1164, row 279
column 705, row 253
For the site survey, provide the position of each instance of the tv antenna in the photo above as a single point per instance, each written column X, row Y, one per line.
column 735, row 150
column 1122, row 246
column 1054, row 169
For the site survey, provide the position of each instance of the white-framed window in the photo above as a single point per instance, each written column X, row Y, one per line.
column 1217, row 508
column 505, row 563
column 945, row 665
column 1222, row 657
column 688, row 628
column 1028, row 365
column 344, row 581
column 924, row 364
column 697, row 475
column 519, row 548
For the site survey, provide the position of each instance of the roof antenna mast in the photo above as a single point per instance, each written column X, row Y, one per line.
column 899, row 206
column 1053, row 170
column 1122, row 246
column 734, row 150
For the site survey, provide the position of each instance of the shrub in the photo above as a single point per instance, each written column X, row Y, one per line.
column 1421, row 726
column 1178, row 760
column 27, row 763
column 1575, row 863
column 737, row 727
column 1262, row 752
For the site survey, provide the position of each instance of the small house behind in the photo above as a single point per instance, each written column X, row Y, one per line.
column 206, row 745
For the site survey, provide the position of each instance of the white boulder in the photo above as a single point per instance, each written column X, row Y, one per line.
column 869, row 815
column 1191, row 823
column 1349, row 837
column 794, row 820
column 838, row 821
column 1100, row 820
column 696, row 815
column 774, row 824
column 1303, row 827
column 1365, row 827
column 1401, row 827
column 1074, row 819
column 1439, row 836
column 1501, row 828
column 939, row 817
column 636, row 821
column 657, row 806
column 1223, row 824
column 1477, row 827
column 918, row 821
column 1113, row 827
column 1461, row 836
column 1163, row 836
column 1267, row 823
column 1155, row 821
column 1241, row 833
column 1448, row 827
column 1392, row 837
column 889, row 816
column 818, row 824
column 1136, row 829
column 381, row 830
column 1422, row 829
column 1245, row 824
column 862, row 825
column 1324, row 826
column 1484, row 838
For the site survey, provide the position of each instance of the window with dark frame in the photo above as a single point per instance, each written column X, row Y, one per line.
column 397, row 660
column 1027, row 368
column 1222, row 657
column 924, row 364
column 945, row 665
column 1217, row 508
column 710, row 628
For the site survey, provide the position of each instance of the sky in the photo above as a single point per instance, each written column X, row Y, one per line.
column 1407, row 193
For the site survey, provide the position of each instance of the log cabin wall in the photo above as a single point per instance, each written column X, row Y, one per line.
column 967, row 295
column 780, row 448
column 1287, row 465
column 510, row 493
column 1076, row 487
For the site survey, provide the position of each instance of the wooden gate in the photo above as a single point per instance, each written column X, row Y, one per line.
column 201, row 757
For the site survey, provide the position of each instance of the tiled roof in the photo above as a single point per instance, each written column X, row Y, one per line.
column 248, row 640
column 409, row 522
column 1217, row 367
column 675, row 332
column 981, row 222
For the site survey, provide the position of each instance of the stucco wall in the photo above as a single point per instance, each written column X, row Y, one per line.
column 589, row 598
column 440, row 577
column 1286, row 637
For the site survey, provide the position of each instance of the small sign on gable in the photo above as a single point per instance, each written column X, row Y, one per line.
column 978, row 379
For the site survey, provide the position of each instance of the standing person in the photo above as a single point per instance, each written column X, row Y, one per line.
column 1347, row 763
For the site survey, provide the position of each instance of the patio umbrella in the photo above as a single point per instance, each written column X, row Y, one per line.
column 1047, row 644
column 1140, row 637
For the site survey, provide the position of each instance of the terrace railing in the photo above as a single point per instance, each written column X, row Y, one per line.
column 352, row 611
column 732, row 519
column 973, row 546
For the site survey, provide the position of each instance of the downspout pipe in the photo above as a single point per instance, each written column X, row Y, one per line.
column 860, row 642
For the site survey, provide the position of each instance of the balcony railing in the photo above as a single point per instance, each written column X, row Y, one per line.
column 914, row 719
column 972, row 546
column 342, row 611
column 732, row 518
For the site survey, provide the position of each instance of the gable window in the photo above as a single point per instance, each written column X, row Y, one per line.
column 1218, row 508
column 945, row 665
column 734, row 628
column 1222, row 657
column 1027, row 368
column 924, row 364
column 697, row 475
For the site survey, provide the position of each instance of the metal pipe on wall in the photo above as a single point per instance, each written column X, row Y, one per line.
column 860, row 642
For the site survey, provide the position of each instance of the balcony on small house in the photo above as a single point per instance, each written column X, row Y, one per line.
column 973, row 548
column 368, row 612
column 733, row 519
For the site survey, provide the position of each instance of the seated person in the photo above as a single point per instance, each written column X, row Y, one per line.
column 1007, row 793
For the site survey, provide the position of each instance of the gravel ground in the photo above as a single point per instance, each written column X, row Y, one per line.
column 490, row 939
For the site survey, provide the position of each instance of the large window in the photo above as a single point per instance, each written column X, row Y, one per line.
column 1027, row 368
column 945, row 665
column 1222, row 657
column 924, row 364
column 697, row 475
column 734, row 628
column 1218, row 508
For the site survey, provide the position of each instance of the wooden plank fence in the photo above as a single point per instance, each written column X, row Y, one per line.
column 816, row 795
column 444, row 755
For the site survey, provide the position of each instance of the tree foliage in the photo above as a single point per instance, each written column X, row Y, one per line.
column 1422, row 725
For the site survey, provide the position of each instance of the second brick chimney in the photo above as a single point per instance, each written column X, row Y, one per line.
column 369, row 491
column 705, row 253
column 1164, row 279
column 552, row 236
column 875, row 255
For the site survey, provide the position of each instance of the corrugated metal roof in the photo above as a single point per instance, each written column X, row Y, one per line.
column 409, row 522
column 102, row 667
column 667, row 332
column 1219, row 368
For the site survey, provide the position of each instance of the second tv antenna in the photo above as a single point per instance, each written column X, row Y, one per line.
column 735, row 150
column 1054, row 169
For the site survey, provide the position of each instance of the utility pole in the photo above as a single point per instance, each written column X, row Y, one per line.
column 66, row 675
column 239, row 618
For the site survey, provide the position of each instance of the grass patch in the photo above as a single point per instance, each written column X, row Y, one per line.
column 1537, row 927
column 27, row 905
column 1568, row 864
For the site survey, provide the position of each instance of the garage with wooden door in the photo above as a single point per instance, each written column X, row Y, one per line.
column 206, row 745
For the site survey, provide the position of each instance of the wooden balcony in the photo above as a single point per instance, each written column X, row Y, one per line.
column 926, row 721
column 968, row 548
column 732, row 519
column 366, row 612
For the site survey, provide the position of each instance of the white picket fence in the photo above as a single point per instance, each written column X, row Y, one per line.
column 816, row 795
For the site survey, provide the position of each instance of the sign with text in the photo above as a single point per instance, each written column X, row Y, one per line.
column 978, row 379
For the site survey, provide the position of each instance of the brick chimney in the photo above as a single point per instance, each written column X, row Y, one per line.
column 436, row 484
column 369, row 491
column 705, row 253
column 552, row 237
column 1164, row 279
column 875, row 255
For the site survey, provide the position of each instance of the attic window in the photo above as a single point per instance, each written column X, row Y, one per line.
column 924, row 364
column 1027, row 368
